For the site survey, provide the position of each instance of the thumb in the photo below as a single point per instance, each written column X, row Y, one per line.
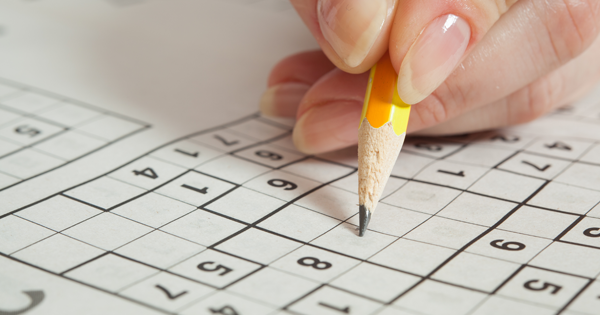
column 430, row 38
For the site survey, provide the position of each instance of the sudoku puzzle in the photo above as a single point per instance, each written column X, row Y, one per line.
column 234, row 220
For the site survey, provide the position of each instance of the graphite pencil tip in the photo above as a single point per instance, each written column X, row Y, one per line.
column 364, row 216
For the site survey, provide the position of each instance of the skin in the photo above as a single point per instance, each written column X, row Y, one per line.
column 523, row 60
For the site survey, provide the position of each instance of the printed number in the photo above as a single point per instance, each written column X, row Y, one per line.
column 198, row 190
column 282, row 183
column 559, row 145
column 35, row 298
column 461, row 173
column 539, row 168
column 269, row 155
column 589, row 231
column 429, row 147
column 508, row 139
column 225, row 310
column 205, row 267
column 26, row 130
column 225, row 142
column 314, row 262
column 555, row 288
column 345, row 310
column 168, row 293
column 195, row 154
column 148, row 172
column 512, row 246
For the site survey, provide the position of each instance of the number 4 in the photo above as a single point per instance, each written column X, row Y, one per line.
column 148, row 172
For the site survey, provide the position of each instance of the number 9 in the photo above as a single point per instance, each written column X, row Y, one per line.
column 282, row 183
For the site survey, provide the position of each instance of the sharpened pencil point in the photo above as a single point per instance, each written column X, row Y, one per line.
column 364, row 216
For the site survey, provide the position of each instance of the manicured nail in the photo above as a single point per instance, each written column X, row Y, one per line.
column 327, row 127
column 282, row 100
column 432, row 57
column 352, row 26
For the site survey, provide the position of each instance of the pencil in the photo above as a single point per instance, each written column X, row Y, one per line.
column 381, row 134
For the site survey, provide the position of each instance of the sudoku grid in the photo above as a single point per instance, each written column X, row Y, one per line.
column 234, row 220
column 41, row 131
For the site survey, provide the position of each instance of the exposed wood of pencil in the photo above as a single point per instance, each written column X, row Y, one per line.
column 378, row 150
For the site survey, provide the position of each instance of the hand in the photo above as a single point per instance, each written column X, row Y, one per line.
column 468, row 65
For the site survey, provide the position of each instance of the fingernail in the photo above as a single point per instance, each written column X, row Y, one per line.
column 327, row 127
column 432, row 57
column 352, row 26
column 282, row 100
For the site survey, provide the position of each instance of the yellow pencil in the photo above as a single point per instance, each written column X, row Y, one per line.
column 381, row 134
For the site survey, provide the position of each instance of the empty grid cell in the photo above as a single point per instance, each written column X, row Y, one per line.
column 167, row 291
column 233, row 169
column 107, row 231
column 7, row 180
column 569, row 258
column 104, row 192
column 535, row 165
column 350, row 183
column 445, row 232
column 28, row 130
column 587, row 302
column 542, row 286
column 58, row 213
column 582, row 175
column 68, row 114
column 376, row 282
column 29, row 102
column 315, row 263
column 477, row 209
column 215, row 268
column 270, row 156
column 347, row 156
column 245, row 205
column 7, row 116
column 515, row 247
column 111, row 272
column 258, row 130
column 147, row 173
column 320, row 171
column 331, row 201
column 27, row 163
column 392, row 220
column 58, row 253
column 498, row 305
column 285, row 143
column 411, row 256
column 186, row 154
column 566, row 198
column 537, row 222
column 506, row 139
column 160, row 249
column 224, row 140
column 422, row 197
column 7, row 147
column 259, row 246
column 18, row 233
column 299, row 223
column 430, row 147
column 562, row 148
column 327, row 300
column 394, row 311
column 70, row 145
column 408, row 165
column 223, row 302
column 282, row 185
column 586, row 232
column 477, row 272
column 505, row 185
column 203, row 227
column 109, row 127
column 433, row 298
column 343, row 239
column 153, row 209
column 195, row 188
column 451, row 174
column 6, row 90
column 481, row 155
column 274, row 287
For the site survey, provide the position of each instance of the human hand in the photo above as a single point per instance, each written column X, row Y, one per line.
column 469, row 65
